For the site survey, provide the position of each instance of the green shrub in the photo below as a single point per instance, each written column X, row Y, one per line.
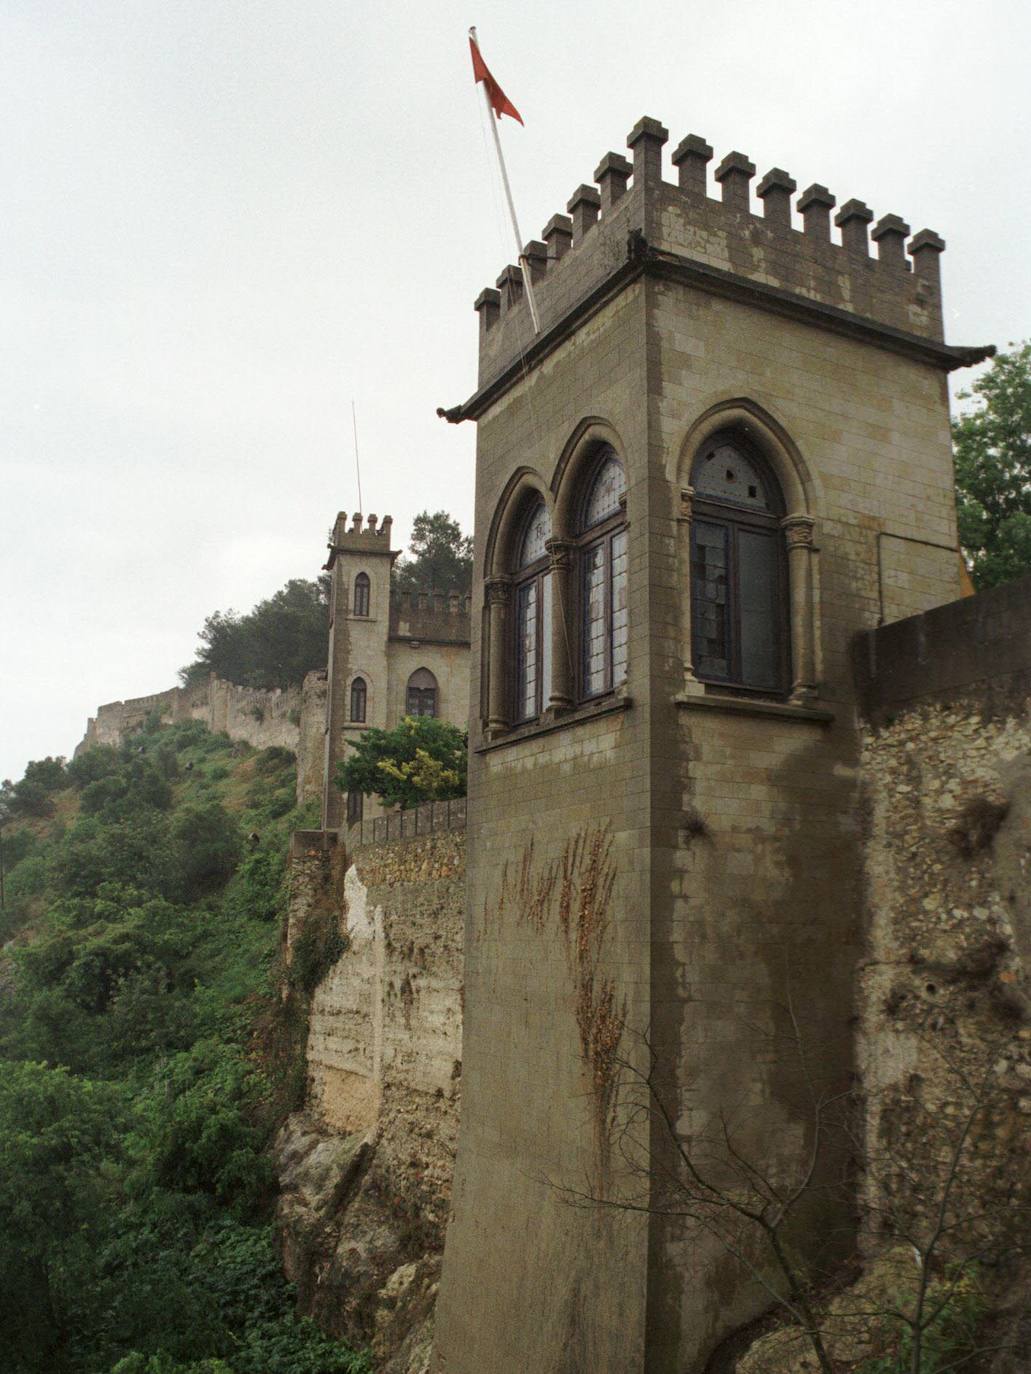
column 318, row 946
column 206, row 842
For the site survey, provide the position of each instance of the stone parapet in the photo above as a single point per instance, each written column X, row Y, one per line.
column 979, row 645
column 435, row 617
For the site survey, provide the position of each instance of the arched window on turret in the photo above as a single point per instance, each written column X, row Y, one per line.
column 421, row 696
column 532, row 658
column 361, row 594
column 602, row 538
column 739, row 593
column 359, row 699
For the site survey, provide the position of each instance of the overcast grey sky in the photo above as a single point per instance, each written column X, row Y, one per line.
column 223, row 219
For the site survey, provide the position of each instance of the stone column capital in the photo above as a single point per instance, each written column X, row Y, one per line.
column 686, row 508
column 561, row 551
column 497, row 591
column 798, row 531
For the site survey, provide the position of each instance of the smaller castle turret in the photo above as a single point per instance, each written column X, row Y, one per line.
column 390, row 653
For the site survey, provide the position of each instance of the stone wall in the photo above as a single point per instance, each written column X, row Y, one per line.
column 260, row 718
column 366, row 1167
column 946, row 765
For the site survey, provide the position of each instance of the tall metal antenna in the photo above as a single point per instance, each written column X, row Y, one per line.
column 357, row 464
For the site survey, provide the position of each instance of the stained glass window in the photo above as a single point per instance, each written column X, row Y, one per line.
column 603, row 499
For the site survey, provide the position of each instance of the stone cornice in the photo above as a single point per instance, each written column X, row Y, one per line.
column 644, row 261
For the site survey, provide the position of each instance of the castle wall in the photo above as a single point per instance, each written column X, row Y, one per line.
column 260, row 718
column 565, row 1286
column 311, row 737
column 449, row 664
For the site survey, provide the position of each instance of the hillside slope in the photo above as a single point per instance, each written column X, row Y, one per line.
column 146, row 1063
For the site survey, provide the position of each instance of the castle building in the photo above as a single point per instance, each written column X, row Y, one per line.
column 391, row 654
column 725, row 453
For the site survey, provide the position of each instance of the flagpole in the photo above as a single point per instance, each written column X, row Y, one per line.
column 521, row 256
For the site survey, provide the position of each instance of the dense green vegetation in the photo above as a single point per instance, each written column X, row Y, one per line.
column 439, row 556
column 144, row 1064
column 421, row 759
column 992, row 443
column 273, row 645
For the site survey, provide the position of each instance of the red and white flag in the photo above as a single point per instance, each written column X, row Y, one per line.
column 499, row 101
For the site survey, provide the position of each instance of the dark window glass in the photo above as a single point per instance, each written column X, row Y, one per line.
column 759, row 607
column 355, row 803
column 361, row 594
column 738, row 573
column 421, row 696
column 358, row 699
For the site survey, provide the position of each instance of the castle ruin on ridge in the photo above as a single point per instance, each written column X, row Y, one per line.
column 725, row 454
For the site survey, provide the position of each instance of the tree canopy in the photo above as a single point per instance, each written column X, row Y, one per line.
column 273, row 645
column 440, row 556
column 421, row 759
column 993, row 470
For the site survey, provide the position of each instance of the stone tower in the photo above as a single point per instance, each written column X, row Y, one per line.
column 391, row 654
column 359, row 563
column 726, row 452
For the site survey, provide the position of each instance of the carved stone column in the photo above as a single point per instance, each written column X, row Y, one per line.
column 563, row 630
column 498, row 595
column 684, row 516
column 798, row 534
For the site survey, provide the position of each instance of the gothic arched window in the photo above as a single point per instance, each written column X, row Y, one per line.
column 739, row 603
column 361, row 594
column 532, row 657
column 603, row 576
column 421, row 696
column 359, row 698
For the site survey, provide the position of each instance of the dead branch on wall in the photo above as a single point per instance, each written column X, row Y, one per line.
column 946, row 1209
column 588, row 876
column 572, row 897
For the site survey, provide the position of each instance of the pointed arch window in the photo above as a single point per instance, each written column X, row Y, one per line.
column 359, row 699
column 421, row 696
column 533, row 607
column 739, row 600
column 604, row 622
column 361, row 594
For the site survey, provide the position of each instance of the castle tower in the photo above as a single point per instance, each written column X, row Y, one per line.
column 359, row 563
column 726, row 452
column 391, row 654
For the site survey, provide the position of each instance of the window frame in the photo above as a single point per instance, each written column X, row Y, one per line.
column 733, row 518
column 359, row 691
column 421, row 692
column 533, row 575
column 602, row 534
column 362, row 596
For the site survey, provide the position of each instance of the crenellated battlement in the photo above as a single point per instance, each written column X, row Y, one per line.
column 631, row 212
column 364, row 535
column 430, row 616
column 431, row 602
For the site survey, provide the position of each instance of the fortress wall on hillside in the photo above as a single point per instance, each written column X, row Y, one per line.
column 260, row 718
